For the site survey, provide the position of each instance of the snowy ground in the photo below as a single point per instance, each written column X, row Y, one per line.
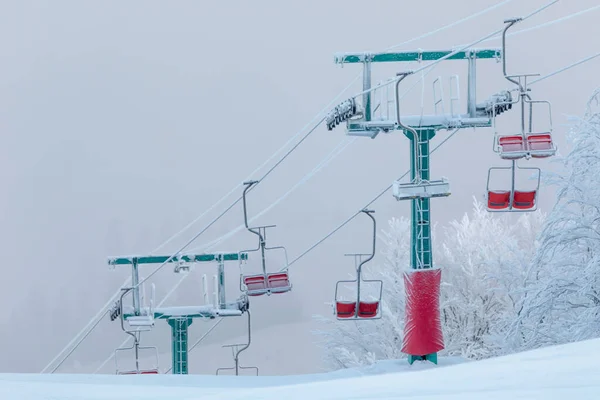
column 551, row 373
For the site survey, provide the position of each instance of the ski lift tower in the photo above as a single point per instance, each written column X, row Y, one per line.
column 423, row 333
column 141, row 318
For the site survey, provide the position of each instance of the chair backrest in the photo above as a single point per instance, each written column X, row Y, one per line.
column 345, row 309
column 368, row 309
column 524, row 200
column 498, row 199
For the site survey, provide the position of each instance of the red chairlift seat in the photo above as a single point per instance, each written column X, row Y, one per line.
column 345, row 309
column 540, row 145
column 368, row 309
column 277, row 282
column 498, row 200
column 141, row 372
column 512, row 147
column 524, row 200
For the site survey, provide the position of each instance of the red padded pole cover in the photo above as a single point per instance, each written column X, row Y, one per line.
column 423, row 328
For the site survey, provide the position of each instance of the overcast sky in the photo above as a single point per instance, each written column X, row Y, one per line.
column 123, row 121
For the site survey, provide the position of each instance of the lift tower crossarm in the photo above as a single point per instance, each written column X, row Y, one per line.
column 188, row 258
column 405, row 56
column 179, row 318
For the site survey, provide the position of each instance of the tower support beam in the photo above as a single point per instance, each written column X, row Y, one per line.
column 179, row 344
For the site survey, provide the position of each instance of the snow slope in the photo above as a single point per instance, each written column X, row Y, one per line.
column 550, row 373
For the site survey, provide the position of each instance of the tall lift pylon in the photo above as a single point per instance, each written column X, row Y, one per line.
column 423, row 333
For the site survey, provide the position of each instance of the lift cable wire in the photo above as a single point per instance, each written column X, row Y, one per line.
column 309, row 175
column 565, row 68
column 546, row 24
column 453, row 24
column 323, row 111
column 322, row 164
column 461, row 48
column 406, row 173
column 358, row 212
column 101, row 313
column 94, row 321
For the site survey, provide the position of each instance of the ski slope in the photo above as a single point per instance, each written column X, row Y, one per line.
column 549, row 373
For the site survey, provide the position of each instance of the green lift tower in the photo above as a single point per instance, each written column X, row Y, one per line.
column 140, row 317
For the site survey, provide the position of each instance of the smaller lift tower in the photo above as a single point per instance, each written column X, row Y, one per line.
column 139, row 318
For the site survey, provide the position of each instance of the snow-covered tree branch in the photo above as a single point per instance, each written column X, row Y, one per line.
column 563, row 290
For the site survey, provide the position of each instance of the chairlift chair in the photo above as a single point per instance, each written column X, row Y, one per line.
column 266, row 282
column 236, row 351
column 145, row 320
column 359, row 308
column 137, row 349
column 512, row 199
column 137, row 324
column 528, row 143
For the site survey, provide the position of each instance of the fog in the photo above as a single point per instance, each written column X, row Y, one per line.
column 121, row 122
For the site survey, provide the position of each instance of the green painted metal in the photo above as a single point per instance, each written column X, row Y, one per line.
column 416, row 56
column 179, row 340
column 185, row 258
column 421, row 221
column 158, row 315
column 420, row 238
column 429, row 357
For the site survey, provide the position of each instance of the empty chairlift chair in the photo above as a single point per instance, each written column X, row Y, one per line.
column 270, row 283
column 359, row 308
column 138, row 324
column 140, row 372
column 266, row 282
column 527, row 143
column 538, row 145
column 512, row 200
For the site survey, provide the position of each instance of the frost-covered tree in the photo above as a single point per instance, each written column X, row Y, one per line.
column 563, row 288
column 484, row 259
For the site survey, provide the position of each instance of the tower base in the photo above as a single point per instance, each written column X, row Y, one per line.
column 428, row 357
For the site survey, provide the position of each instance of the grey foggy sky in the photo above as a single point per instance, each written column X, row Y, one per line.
column 123, row 121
